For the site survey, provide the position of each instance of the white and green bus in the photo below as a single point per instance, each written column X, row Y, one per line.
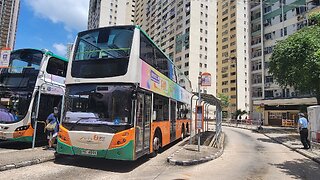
column 22, row 107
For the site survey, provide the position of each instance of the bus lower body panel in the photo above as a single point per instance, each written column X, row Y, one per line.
column 121, row 153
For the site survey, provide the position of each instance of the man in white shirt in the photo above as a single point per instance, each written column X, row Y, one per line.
column 303, row 130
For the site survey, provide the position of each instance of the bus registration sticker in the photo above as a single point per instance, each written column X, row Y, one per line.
column 89, row 152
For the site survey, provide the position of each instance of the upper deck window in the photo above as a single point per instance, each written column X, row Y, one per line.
column 102, row 52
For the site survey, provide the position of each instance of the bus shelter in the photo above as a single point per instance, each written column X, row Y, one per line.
column 206, row 101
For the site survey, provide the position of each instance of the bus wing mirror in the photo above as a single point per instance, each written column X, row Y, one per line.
column 154, row 115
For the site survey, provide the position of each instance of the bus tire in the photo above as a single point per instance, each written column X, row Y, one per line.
column 183, row 132
column 156, row 144
column 188, row 132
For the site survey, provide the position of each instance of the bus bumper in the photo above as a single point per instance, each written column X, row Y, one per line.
column 121, row 153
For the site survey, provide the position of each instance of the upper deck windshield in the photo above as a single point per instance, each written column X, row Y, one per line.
column 102, row 52
column 17, row 84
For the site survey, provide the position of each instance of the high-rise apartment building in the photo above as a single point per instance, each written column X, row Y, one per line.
column 271, row 21
column 186, row 31
column 233, row 54
column 104, row 13
column 9, row 10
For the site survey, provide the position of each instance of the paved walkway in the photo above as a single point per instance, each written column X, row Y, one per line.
column 287, row 136
column 26, row 157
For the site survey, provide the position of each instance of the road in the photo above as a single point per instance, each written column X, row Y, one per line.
column 247, row 155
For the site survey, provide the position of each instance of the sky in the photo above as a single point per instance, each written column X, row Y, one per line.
column 50, row 24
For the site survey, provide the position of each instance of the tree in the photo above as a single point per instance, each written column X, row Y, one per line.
column 239, row 112
column 224, row 104
column 224, row 100
column 295, row 61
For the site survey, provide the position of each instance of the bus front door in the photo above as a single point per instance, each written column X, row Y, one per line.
column 143, row 119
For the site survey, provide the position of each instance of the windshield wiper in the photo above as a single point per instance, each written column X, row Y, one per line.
column 80, row 119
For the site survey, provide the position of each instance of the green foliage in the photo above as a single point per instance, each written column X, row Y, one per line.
column 224, row 100
column 295, row 61
column 239, row 112
column 314, row 18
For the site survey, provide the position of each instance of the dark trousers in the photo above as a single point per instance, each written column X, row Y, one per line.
column 304, row 138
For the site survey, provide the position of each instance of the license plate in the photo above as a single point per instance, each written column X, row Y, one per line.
column 89, row 152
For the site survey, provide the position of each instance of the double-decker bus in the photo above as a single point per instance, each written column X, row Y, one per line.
column 30, row 70
column 123, row 99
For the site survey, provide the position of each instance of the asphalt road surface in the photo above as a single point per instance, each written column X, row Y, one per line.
column 247, row 155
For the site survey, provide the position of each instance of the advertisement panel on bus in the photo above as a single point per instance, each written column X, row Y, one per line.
column 153, row 80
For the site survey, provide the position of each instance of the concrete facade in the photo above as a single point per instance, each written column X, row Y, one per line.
column 271, row 21
column 104, row 13
column 233, row 54
column 9, row 11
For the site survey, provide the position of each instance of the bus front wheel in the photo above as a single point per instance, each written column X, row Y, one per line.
column 156, row 145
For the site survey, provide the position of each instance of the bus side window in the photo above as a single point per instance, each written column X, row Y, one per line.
column 161, row 106
column 182, row 111
column 146, row 50
column 57, row 67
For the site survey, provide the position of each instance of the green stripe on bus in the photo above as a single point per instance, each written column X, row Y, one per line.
column 22, row 139
column 121, row 153
column 92, row 51
column 63, row 148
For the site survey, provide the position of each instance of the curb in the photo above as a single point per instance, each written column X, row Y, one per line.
column 26, row 163
column 172, row 161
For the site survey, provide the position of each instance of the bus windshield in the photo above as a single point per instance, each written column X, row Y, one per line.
column 102, row 105
column 17, row 84
column 23, row 69
column 102, row 52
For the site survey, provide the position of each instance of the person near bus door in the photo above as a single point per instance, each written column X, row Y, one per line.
column 303, row 130
column 52, row 127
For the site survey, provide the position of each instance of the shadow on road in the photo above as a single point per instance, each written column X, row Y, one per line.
column 18, row 145
column 107, row 164
column 101, row 164
column 300, row 169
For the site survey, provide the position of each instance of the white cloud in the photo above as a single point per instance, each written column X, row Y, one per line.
column 60, row 49
column 73, row 14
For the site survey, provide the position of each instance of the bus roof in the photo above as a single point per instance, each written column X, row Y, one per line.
column 44, row 51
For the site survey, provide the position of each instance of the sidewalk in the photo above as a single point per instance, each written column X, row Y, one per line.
column 26, row 157
column 287, row 136
column 189, row 154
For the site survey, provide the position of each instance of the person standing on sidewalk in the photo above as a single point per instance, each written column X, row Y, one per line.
column 52, row 127
column 303, row 130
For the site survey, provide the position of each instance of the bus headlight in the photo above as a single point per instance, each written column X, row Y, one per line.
column 22, row 128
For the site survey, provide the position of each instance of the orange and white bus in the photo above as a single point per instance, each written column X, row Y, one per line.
column 122, row 98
